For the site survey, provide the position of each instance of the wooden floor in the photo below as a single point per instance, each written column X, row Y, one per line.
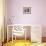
column 23, row 43
column 18, row 43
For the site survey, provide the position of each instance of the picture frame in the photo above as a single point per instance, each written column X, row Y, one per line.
column 26, row 10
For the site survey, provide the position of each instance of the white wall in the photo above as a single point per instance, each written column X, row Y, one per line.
column 37, row 16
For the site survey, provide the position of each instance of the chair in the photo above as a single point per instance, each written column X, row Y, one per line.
column 17, row 31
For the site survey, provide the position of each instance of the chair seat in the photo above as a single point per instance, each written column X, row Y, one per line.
column 18, row 33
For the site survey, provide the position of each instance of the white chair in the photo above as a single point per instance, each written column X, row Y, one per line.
column 17, row 31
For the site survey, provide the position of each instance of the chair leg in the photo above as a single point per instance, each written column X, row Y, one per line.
column 12, row 38
column 15, row 38
column 25, row 36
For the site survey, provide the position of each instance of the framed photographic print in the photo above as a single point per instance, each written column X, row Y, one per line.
column 26, row 10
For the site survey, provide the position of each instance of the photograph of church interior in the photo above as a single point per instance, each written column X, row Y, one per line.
column 22, row 22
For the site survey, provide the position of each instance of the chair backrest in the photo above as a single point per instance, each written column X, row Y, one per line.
column 18, row 30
